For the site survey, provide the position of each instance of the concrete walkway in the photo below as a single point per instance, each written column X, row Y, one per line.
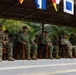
column 39, row 67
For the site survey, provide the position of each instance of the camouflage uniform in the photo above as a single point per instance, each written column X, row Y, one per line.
column 1, row 45
column 27, row 40
column 7, row 45
column 72, row 41
column 56, row 47
column 48, row 41
column 65, row 41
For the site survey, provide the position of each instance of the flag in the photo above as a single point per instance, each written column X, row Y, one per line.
column 40, row 4
column 69, row 6
column 21, row 1
column 56, row 4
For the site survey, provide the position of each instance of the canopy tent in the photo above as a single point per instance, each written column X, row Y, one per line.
column 12, row 9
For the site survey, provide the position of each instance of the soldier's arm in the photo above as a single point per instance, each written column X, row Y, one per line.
column 62, row 42
column 69, row 43
column 49, row 42
column 1, row 40
column 43, row 40
column 20, row 39
column 31, row 39
column 5, row 38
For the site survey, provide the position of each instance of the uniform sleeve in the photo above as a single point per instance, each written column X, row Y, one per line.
column 50, row 41
column 62, row 42
column 43, row 40
column 69, row 43
column 20, row 38
column 30, row 39
column 6, row 38
column 2, row 37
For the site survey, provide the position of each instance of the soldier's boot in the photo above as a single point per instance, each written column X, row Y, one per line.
column 70, row 55
column 50, row 56
column 0, row 58
column 34, row 57
column 57, row 56
column 11, row 59
column 28, row 57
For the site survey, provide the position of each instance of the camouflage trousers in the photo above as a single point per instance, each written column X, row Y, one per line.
column 9, row 47
column 30, row 47
column 70, row 49
column 51, row 48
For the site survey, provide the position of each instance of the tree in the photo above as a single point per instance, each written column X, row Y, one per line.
column 14, row 26
column 35, row 28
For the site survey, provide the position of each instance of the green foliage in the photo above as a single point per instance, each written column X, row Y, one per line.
column 15, row 26
column 35, row 28
column 55, row 30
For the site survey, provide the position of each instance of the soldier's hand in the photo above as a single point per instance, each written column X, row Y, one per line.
column 50, row 44
column 3, row 42
column 10, row 43
column 24, row 42
column 33, row 42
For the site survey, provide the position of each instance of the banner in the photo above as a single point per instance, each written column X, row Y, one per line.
column 21, row 1
column 40, row 4
column 68, row 6
column 56, row 4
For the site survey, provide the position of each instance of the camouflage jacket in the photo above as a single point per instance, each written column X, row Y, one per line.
column 24, row 38
column 4, row 37
column 46, row 40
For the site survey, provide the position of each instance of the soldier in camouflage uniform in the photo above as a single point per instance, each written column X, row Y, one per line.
column 4, row 42
column 29, row 44
column 56, row 46
column 46, row 40
column 65, row 41
column 72, row 39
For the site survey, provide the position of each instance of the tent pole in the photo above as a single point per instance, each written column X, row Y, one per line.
column 42, row 27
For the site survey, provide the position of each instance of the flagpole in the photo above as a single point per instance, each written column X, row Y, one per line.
column 42, row 27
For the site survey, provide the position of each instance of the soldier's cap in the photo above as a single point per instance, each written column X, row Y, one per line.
column 24, row 27
column 1, row 25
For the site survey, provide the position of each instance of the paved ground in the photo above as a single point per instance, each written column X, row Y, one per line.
column 39, row 67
